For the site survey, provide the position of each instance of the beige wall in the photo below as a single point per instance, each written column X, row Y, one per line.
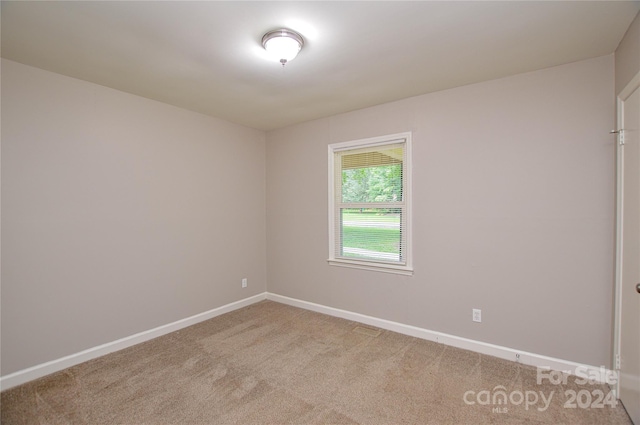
column 628, row 55
column 119, row 214
column 513, row 212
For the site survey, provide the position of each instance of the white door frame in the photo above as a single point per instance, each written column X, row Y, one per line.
column 624, row 94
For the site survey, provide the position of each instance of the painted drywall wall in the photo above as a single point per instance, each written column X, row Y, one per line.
column 513, row 212
column 119, row 214
column 628, row 55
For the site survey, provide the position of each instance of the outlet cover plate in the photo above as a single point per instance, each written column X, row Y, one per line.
column 477, row 315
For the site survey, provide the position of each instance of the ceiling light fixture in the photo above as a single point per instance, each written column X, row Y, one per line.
column 283, row 44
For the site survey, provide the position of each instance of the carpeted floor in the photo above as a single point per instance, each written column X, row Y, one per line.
column 270, row 363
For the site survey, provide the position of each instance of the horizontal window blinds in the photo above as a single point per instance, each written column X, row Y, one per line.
column 370, row 209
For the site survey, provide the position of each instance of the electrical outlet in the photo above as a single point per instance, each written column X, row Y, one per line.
column 477, row 315
column 244, row 282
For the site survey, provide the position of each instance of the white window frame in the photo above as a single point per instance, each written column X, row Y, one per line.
column 381, row 266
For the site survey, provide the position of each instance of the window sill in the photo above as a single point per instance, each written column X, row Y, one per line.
column 371, row 266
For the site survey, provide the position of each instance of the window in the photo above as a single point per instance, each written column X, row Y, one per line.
column 369, row 204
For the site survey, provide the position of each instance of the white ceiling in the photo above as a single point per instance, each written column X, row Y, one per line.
column 206, row 56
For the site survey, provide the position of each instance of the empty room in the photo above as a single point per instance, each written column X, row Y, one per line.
column 271, row 212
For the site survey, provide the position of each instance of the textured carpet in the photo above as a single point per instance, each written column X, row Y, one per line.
column 270, row 363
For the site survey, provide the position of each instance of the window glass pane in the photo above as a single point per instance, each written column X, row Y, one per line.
column 372, row 184
column 372, row 174
column 371, row 233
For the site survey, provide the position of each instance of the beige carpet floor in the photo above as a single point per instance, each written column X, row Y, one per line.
column 274, row 364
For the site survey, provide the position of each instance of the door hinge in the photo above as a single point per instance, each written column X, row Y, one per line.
column 620, row 134
column 617, row 365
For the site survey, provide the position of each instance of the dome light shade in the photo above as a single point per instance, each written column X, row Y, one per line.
column 282, row 44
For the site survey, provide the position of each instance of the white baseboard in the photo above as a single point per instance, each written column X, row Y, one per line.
column 595, row 373
column 38, row 371
column 599, row 374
